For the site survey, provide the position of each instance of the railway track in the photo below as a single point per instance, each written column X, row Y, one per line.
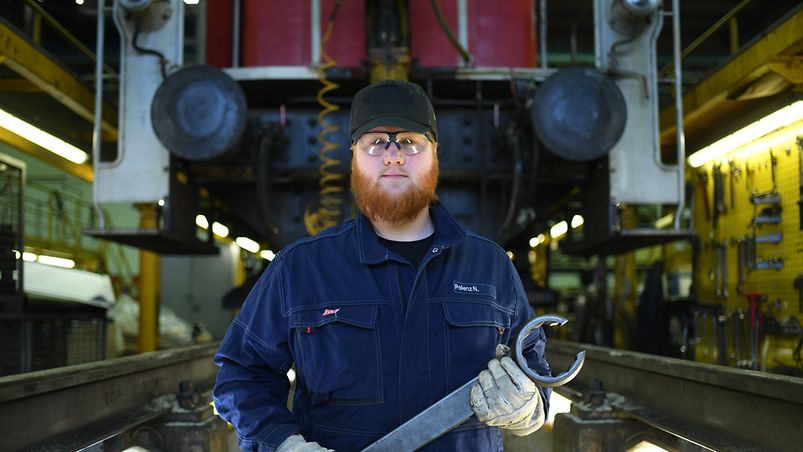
column 701, row 406
column 694, row 405
column 74, row 407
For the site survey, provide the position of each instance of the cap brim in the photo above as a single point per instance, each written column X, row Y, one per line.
column 395, row 121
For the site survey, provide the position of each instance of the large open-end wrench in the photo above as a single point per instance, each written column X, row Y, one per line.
column 455, row 408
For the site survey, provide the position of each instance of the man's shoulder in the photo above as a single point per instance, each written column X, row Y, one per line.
column 325, row 238
column 482, row 244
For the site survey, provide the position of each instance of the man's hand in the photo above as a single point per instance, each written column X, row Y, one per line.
column 506, row 398
column 297, row 443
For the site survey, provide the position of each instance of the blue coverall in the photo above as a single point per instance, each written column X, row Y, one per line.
column 366, row 359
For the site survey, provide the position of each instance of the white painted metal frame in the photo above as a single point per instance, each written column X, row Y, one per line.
column 141, row 172
column 637, row 174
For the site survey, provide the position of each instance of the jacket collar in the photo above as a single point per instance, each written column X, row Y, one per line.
column 371, row 251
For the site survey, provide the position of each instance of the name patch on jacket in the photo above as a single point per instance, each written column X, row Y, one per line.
column 474, row 289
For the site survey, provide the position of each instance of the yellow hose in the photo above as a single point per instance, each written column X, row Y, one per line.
column 327, row 212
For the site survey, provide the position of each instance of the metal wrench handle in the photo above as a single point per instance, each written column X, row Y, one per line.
column 455, row 408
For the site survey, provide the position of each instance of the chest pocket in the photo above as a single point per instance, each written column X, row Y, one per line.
column 338, row 354
column 473, row 329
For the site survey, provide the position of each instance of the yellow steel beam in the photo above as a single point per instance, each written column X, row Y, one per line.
column 790, row 67
column 24, row 58
column 69, row 37
column 748, row 66
column 83, row 171
column 18, row 85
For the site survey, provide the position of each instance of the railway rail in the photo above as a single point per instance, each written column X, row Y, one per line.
column 699, row 406
column 619, row 396
column 74, row 407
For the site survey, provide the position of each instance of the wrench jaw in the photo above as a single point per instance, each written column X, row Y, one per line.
column 559, row 380
column 545, row 380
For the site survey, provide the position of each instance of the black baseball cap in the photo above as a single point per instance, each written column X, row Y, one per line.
column 392, row 103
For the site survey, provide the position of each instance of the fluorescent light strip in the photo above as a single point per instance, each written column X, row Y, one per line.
column 201, row 222
column 247, row 244
column 267, row 255
column 42, row 138
column 535, row 241
column 47, row 260
column 558, row 229
column 56, row 261
column 770, row 123
column 220, row 229
column 664, row 221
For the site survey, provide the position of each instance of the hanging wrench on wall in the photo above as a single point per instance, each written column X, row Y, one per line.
column 800, row 179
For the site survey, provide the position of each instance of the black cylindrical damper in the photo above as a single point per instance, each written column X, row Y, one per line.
column 199, row 113
column 579, row 113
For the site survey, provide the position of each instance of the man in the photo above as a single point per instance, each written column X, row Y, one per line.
column 384, row 314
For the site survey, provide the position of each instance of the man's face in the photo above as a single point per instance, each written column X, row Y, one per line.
column 393, row 187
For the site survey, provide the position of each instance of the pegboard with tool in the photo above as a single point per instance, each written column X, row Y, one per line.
column 749, row 270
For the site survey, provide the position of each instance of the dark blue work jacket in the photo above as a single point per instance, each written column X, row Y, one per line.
column 366, row 360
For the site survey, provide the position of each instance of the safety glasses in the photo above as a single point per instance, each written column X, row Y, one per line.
column 408, row 143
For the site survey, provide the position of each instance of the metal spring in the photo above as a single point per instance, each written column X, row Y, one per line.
column 327, row 212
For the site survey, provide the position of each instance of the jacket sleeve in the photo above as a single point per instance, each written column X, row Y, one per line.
column 535, row 344
column 252, row 387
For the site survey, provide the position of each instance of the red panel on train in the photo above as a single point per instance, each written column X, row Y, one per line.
column 277, row 33
column 219, row 14
column 347, row 44
column 500, row 33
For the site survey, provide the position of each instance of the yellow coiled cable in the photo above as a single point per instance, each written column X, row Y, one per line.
column 327, row 213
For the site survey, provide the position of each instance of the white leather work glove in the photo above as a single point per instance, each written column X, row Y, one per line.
column 506, row 398
column 297, row 443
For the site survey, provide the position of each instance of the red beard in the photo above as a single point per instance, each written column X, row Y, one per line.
column 401, row 209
